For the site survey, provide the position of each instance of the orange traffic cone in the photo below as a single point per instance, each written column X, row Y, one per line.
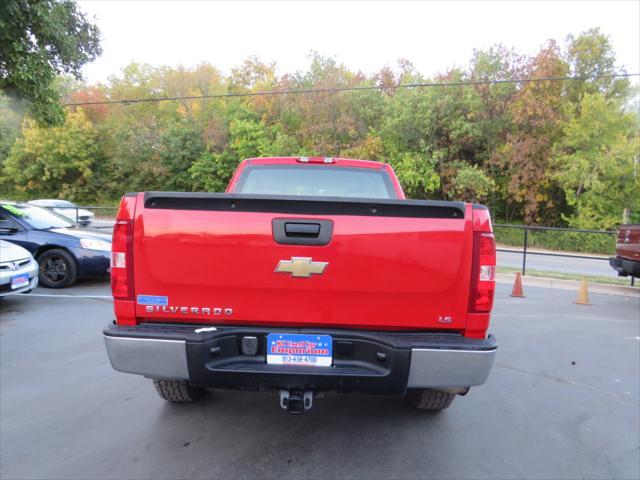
column 583, row 294
column 517, row 287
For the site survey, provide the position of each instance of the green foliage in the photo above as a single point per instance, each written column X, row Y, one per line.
column 595, row 163
column 212, row 171
column 417, row 174
column 553, row 153
column 591, row 54
column 471, row 184
column 40, row 39
column 247, row 139
column 60, row 162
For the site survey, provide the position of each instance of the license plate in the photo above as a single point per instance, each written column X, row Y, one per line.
column 18, row 281
column 297, row 349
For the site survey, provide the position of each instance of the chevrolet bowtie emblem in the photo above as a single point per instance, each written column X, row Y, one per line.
column 301, row 267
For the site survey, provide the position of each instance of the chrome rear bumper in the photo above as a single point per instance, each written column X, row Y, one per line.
column 435, row 368
column 151, row 357
column 461, row 363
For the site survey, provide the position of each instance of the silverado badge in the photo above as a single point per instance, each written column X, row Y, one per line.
column 301, row 267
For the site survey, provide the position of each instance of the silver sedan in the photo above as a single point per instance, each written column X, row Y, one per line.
column 18, row 269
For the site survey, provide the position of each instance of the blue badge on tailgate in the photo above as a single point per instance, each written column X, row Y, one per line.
column 153, row 300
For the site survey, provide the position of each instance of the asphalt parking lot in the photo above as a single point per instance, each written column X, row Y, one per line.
column 563, row 401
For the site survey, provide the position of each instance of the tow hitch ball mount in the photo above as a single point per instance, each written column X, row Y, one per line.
column 296, row 401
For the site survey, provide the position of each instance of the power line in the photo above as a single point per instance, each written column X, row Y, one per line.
column 352, row 89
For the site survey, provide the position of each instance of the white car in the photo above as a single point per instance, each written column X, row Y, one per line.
column 66, row 208
column 18, row 269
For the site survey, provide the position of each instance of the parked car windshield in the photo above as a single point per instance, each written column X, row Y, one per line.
column 315, row 181
column 37, row 217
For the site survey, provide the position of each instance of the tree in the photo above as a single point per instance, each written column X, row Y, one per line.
column 92, row 94
column 471, row 184
column 591, row 54
column 492, row 112
column 494, row 118
column 595, row 164
column 40, row 39
column 62, row 161
column 322, row 123
column 416, row 172
column 247, row 139
column 536, row 111
column 251, row 74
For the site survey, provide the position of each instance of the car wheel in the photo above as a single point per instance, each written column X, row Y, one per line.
column 58, row 269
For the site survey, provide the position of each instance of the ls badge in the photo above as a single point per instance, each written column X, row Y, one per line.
column 301, row 267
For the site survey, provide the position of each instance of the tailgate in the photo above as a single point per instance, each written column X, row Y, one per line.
column 292, row 261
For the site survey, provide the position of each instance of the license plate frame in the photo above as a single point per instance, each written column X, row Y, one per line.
column 19, row 281
column 311, row 350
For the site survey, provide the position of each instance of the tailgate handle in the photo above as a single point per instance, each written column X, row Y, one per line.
column 301, row 229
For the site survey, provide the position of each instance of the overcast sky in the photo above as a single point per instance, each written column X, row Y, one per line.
column 363, row 35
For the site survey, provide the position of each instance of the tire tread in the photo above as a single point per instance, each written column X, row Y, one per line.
column 177, row 391
column 428, row 399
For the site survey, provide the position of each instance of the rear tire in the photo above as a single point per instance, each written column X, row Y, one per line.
column 58, row 269
column 427, row 399
column 177, row 391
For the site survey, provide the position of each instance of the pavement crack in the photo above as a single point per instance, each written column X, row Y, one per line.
column 628, row 401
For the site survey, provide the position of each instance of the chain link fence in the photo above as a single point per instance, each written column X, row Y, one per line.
column 564, row 253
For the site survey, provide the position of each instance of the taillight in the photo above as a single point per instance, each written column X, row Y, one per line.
column 122, row 260
column 483, row 271
column 483, row 281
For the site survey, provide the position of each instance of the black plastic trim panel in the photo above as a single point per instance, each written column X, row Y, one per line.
column 288, row 204
column 219, row 363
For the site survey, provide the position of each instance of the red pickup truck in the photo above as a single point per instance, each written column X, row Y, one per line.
column 308, row 276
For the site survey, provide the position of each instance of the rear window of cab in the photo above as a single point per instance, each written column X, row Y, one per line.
column 315, row 181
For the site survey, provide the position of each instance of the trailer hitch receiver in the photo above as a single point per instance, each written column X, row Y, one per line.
column 296, row 401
